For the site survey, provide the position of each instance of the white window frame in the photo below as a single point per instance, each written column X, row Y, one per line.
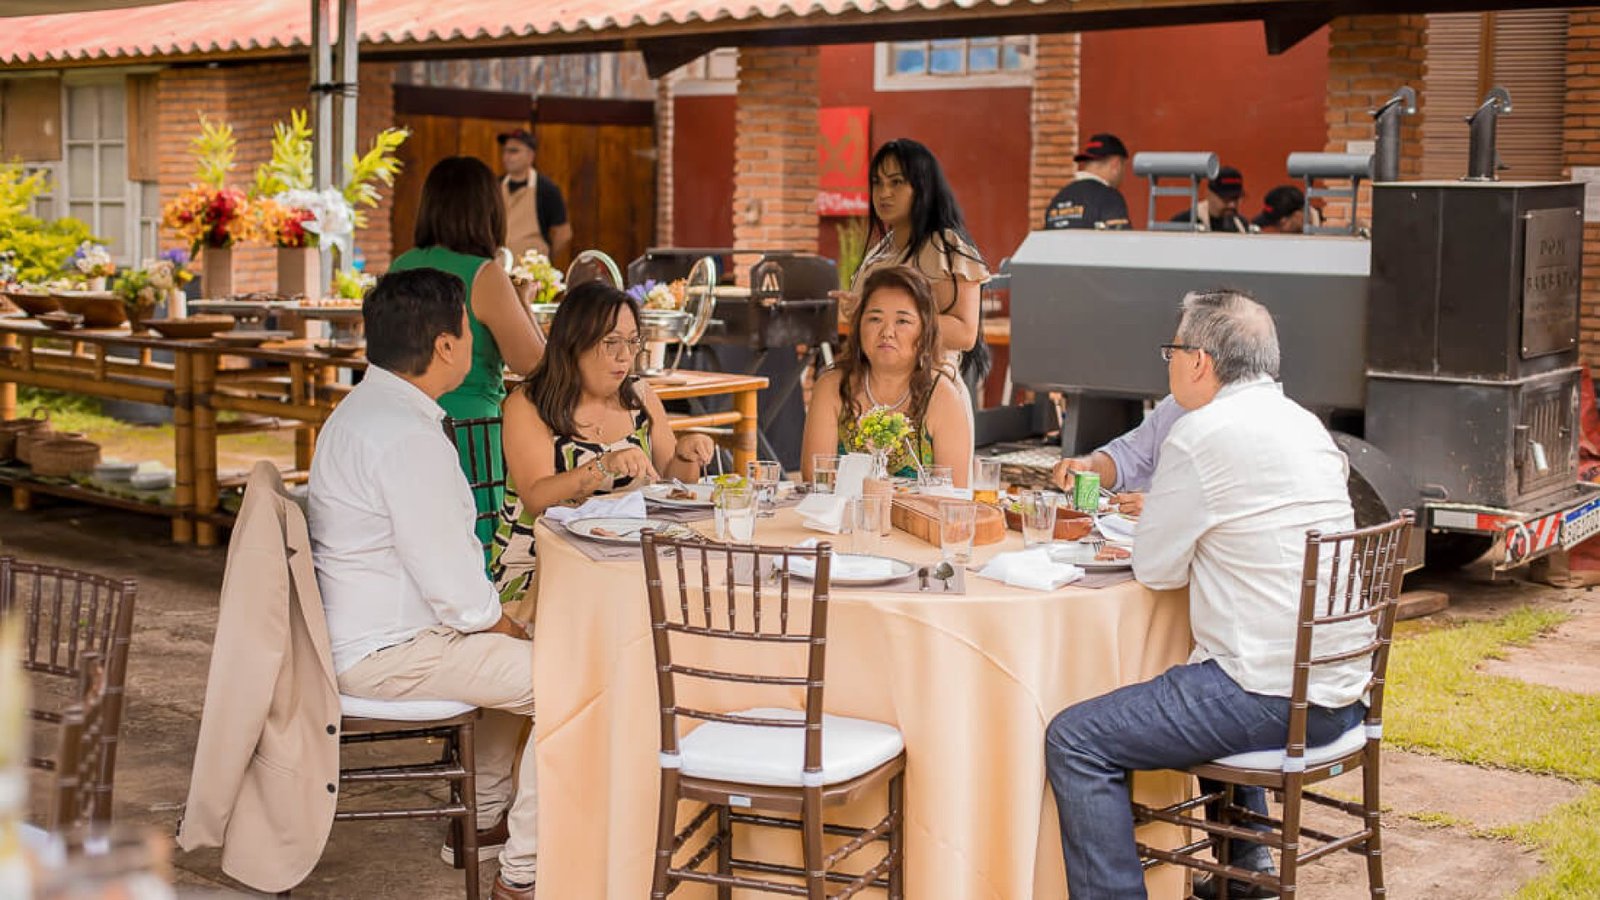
column 884, row 79
column 693, row 79
column 128, row 252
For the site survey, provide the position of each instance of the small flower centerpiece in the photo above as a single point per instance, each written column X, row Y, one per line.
column 880, row 431
column 209, row 215
column 654, row 294
column 352, row 285
column 139, row 293
column 538, row 281
column 93, row 262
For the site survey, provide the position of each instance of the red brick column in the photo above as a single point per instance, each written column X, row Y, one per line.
column 666, row 108
column 1054, row 120
column 1581, row 147
column 775, row 176
column 1368, row 58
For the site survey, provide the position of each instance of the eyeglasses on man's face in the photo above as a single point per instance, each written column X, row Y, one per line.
column 1168, row 349
column 620, row 346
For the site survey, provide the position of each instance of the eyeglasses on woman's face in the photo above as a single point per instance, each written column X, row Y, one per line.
column 618, row 346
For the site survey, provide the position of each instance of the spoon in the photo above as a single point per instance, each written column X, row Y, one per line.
column 922, row 578
column 944, row 572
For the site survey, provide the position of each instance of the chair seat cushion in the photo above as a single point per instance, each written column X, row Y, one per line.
column 1272, row 760
column 775, row 757
column 402, row 710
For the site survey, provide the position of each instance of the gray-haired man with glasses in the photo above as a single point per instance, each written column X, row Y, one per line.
column 1242, row 475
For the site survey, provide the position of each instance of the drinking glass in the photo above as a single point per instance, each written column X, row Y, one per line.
column 1038, row 518
column 986, row 480
column 936, row 477
column 871, row 523
column 824, row 473
column 765, row 475
column 958, row 521
column 736, row 514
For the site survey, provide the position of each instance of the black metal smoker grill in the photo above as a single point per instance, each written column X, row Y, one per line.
column 1443, row 352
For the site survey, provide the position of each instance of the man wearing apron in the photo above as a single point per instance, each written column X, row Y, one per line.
column 536, row 214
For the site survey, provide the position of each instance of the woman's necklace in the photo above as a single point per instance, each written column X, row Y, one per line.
column 874, row 400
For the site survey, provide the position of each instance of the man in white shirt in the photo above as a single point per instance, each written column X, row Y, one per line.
column 411, row 613
column 1241, row 478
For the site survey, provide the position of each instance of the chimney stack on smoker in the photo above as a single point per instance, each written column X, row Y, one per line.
column 1386, row 154
column 1483, row 161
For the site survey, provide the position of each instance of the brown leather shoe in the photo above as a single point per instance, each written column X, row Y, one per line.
column 490, row 840
column 503, row 891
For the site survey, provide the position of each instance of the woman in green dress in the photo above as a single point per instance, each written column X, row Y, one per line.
column 461, row 223
column 891, row 362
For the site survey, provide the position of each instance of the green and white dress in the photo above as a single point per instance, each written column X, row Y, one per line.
column 511, row 560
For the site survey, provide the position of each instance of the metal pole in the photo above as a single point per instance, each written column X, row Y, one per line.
column 347, row 54
column 321, row 99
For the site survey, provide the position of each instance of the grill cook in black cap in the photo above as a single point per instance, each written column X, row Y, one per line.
column 1222, row 203
column 1092, row 199
column 518, row 134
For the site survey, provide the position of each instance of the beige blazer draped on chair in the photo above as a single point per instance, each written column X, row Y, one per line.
column 266, row 768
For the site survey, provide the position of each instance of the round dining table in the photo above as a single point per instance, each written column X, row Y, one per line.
column 971, row 679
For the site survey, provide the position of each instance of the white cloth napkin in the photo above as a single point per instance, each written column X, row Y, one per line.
column 624, row 506
column 853, row 469
column 1117, row 527
column 1032, row 569
column 823, row 512
column 843, row 565
column 949, row 493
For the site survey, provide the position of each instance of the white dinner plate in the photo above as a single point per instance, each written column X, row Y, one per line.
column 803, row 567
column 615, row 530
column 661, row 492
column 1082, row 554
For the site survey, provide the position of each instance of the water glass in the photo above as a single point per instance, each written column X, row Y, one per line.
column 765, row 475
column 736, row 514
column 824, row 473
column 958, row 522
column 871, row 522
column 986, row 480
column 1038, row 518
column 936, row 477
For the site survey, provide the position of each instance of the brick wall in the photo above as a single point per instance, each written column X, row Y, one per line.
column 775, row 151
column 665, row 119
column 251, row 99
column 1368, row 58
column 1581, row 147
column 1054, row 120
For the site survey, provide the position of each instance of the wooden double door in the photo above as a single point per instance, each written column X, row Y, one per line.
column 601, row 153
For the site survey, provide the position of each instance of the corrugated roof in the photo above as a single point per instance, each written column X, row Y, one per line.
column 208, row 28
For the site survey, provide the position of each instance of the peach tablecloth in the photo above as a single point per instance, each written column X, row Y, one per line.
column 971, row 681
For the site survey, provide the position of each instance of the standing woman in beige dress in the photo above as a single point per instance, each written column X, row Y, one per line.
column 920, row 224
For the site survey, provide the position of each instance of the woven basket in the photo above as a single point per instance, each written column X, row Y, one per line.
column 63, row 456
column 11, row 428
column 28, row 440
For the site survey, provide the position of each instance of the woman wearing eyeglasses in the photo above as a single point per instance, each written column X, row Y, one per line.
column 583, row 424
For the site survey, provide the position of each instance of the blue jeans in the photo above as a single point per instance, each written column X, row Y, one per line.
column 1186, row 716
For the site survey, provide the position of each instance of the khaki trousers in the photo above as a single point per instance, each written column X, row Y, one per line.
column 492, row 671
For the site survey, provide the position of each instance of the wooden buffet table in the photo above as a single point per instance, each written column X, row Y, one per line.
column 291, row 385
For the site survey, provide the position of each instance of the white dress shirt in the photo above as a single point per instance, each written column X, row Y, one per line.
column 391, row 520
column 1239, row 482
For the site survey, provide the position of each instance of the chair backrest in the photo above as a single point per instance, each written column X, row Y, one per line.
column 66, row 616
column 1348, row 578
column 751, row 603
column 76, row 797
column 478, row 443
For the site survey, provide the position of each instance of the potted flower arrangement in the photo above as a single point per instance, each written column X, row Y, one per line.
column 539, row 283
column 139, row 296
column 209, row 215
column 169, row 272
column 94, row 263
column 878, row 432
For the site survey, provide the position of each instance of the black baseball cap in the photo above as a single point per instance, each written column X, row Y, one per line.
column 1102, row 146
column 1229, row 183
column 518, row 134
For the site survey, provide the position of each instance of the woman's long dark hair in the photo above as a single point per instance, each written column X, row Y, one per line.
column 934, row 209
column 587, row 314
column 461, row 208
column 854, row 366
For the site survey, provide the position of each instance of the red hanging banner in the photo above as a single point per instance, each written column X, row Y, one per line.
column 843, row 152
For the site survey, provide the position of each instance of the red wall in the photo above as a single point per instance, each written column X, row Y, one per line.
column 1208, row 87
column 702, row 172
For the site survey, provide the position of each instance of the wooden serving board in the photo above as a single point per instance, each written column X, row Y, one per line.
column 918, row 516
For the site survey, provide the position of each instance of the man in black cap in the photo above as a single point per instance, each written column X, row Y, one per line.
column 1222, row 203
column 1282, row 212
column 536, row 218
column 1092, row 199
